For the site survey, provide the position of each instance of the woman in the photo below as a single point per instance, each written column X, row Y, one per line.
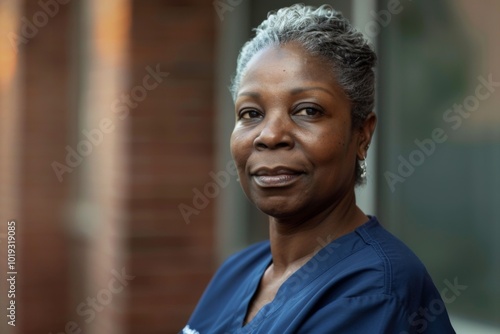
column 304, row 95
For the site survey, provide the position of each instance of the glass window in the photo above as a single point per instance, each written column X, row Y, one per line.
column 439, row 143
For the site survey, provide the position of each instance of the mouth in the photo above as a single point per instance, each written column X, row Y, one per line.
column 276, row 177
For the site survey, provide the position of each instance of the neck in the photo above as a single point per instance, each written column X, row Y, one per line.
column 294, row 242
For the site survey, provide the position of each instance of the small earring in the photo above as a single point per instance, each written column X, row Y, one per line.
column 363, row 168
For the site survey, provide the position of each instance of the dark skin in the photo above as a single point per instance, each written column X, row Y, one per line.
column 296, row 150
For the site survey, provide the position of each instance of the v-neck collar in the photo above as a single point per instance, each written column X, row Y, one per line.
column 332, row 253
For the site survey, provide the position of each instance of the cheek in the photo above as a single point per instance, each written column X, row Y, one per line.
column 327, row 147
column 331, row 152
column 239, row 150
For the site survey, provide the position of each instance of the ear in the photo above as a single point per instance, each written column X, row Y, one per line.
column 365, row 135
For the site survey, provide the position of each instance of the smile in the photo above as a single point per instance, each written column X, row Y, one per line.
column 276, row 177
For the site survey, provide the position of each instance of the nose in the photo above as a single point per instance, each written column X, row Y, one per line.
column 275, row 133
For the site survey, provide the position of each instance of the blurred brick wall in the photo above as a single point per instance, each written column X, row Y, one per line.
column 118, row 209
column 41, row 122
column 9, row 134
column 171, row 152
column 44, row 125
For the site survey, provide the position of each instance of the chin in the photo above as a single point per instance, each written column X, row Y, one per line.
column 278, row 209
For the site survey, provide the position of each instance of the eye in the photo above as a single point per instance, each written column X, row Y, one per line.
column 308, row 111
column 249, row 114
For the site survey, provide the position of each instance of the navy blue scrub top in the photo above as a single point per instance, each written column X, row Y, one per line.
column 365, row 282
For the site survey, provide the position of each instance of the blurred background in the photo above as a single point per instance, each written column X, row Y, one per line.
column 114, row 162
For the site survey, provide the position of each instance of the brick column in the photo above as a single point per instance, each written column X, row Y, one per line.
column 35, row 118
column 171, row 153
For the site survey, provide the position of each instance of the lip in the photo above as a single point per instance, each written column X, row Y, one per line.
column 280, row 176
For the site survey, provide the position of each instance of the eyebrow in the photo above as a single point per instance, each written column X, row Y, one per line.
column 299, row 90
column 294, row 91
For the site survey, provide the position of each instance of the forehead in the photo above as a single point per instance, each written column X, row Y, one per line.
column 287, row 65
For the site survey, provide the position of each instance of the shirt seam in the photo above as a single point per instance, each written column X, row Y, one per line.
column 383, row 256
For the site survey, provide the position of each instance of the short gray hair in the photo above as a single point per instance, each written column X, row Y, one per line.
column 323, row 32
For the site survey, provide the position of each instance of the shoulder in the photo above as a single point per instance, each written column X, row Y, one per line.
column 372, row 282
column 232, row 283
column 404, row 275
column 376, row 284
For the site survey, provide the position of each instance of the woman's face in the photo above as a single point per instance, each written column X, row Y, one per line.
column 293, row 142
